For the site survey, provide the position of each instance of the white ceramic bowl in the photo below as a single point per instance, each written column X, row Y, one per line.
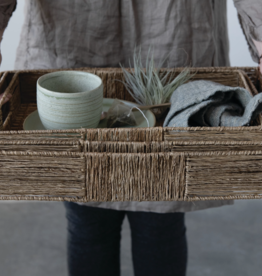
column 69, row 100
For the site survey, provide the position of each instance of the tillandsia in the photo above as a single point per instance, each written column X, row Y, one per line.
column 148, row 85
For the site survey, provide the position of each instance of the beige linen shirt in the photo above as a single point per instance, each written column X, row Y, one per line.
column 104, row 33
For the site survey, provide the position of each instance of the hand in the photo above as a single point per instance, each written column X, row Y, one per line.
column 1, row 37
column 7, row 98
column 258, row 45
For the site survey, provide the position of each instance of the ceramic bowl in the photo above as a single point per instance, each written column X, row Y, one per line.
column 69, row 100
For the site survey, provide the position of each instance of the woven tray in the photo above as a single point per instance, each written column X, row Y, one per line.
column 149, row 164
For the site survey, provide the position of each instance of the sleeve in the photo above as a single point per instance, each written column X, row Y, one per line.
column 6, row 9
column 250, row 18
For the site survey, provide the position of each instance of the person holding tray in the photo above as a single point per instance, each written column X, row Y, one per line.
column 75, row 33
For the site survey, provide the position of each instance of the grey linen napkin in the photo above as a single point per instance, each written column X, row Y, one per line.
column 207, row 103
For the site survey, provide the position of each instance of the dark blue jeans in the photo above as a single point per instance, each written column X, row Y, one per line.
column 159, row 244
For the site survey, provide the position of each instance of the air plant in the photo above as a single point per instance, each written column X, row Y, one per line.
column 149, row 85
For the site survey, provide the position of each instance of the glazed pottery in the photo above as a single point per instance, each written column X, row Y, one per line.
column 69, row 100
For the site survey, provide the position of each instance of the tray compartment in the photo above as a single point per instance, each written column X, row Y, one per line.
column 23, row 88
column 41, row 176
column 135, row 177
column 231, row 175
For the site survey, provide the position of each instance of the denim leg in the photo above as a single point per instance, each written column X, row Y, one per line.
column 159, row 245
column 93, row 245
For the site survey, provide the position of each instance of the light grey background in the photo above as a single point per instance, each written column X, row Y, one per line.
column 239, row 55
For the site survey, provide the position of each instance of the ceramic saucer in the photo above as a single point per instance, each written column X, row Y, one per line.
column 32, row 121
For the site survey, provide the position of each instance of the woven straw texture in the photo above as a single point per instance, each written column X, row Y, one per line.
column 134, row 164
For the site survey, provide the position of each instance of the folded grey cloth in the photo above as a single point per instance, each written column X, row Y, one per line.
column 206, row 103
